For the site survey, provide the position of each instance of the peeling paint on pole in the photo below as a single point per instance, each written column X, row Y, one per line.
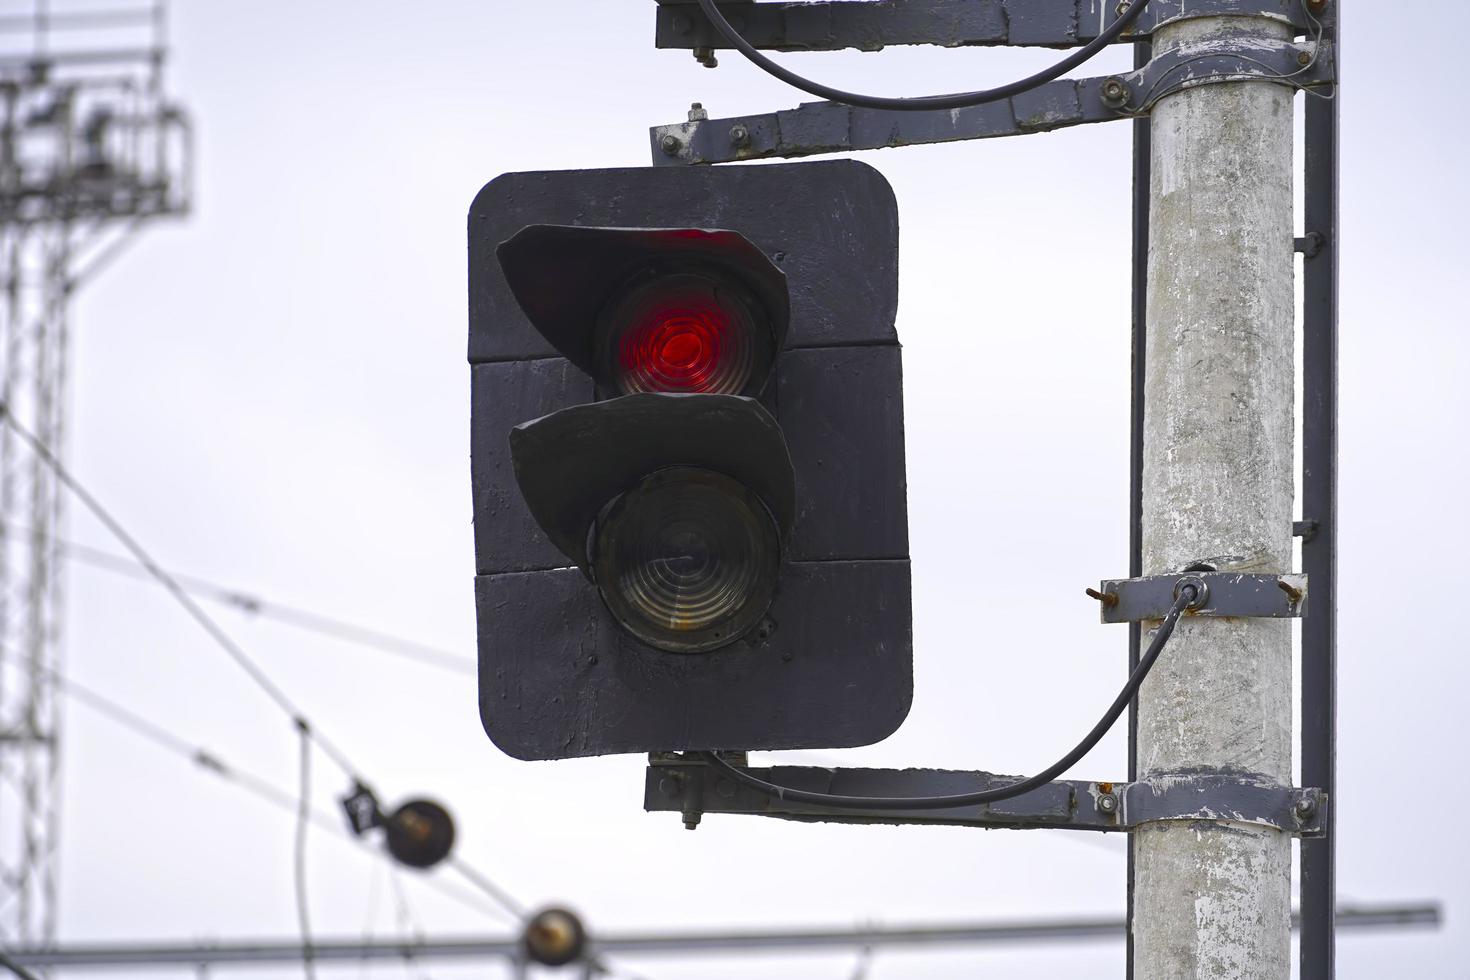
column 1212, row 896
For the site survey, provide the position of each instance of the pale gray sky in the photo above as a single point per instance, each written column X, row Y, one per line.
column 274, row 394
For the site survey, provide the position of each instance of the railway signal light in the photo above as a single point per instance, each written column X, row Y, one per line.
column 687, row 455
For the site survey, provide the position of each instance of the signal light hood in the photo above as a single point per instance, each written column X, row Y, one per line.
column 563, row 275
column 571, row 463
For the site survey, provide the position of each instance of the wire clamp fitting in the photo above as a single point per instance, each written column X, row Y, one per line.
column 1217, row 594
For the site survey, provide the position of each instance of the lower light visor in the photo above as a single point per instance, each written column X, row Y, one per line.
column 687, row 559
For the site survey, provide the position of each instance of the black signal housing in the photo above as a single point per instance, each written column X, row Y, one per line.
column 677, row 571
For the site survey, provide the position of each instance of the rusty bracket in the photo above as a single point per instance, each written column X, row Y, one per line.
column 1236, row 797
column 1132, row 600
column 685, row 784
column 830, row 127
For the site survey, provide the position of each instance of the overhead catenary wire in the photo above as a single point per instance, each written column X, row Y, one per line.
column 490, row 888
column 958, row 100
column 1188, row 595
column 15, row 968
column 176, row 589
column 303, row 821
column 256, row 605
column 261, row 788
column 223, row 639
column 409, row 923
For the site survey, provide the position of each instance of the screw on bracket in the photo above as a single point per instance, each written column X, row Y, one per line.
column 739, row 136
column 670, row 144
column 706, row 56
column 1115, row 92
column 1107, row 804
column 1306, row 530
column 1305, row 808
column 1310, row 244
column 697, row 112
column 1108, row 599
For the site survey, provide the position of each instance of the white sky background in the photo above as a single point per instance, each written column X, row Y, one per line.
column 274, row 394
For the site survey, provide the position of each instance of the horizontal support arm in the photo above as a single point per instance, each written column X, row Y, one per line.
column 870, row 25
column 830, row 127
column 687, row 785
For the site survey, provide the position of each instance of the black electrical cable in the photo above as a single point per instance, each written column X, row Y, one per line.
column 959, row 100
column 1188, row 595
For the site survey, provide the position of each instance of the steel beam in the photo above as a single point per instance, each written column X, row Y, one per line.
column 828, row 127
column 138, row 956
column 687, row 785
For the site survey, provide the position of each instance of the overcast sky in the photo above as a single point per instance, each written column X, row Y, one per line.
column 274, row 394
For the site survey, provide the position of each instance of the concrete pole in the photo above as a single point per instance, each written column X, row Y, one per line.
column 1212, row 898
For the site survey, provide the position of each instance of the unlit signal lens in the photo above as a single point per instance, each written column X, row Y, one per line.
column 687, row 560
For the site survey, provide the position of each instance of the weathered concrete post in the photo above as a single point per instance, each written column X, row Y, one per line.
column 1213, row 898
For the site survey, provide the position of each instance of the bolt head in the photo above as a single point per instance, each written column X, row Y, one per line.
column 1305, row 807
column 1107, row 803
column 1304, row 59
column 669, row 143
column 739, row 135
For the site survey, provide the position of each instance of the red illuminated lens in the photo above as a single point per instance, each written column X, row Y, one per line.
column 686, row 333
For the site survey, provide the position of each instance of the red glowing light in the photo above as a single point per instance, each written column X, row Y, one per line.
column 680, row 347
column 685, row 333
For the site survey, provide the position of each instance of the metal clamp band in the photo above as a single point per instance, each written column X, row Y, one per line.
column 1238, row 798
column 1244, row 57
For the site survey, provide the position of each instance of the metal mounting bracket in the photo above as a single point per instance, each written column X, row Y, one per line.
column 1238, row 798
column 686, row 784
column 1133, row 600
column 829, row 127
column 1298, row 64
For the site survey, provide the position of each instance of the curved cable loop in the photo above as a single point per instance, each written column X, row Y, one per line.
column 1188, row 596
column 959, row 100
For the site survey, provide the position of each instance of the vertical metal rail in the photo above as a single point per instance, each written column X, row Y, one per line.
column 1319, row 510
column 1142, row 176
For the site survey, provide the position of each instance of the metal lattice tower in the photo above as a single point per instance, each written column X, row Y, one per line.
column 90, row 150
